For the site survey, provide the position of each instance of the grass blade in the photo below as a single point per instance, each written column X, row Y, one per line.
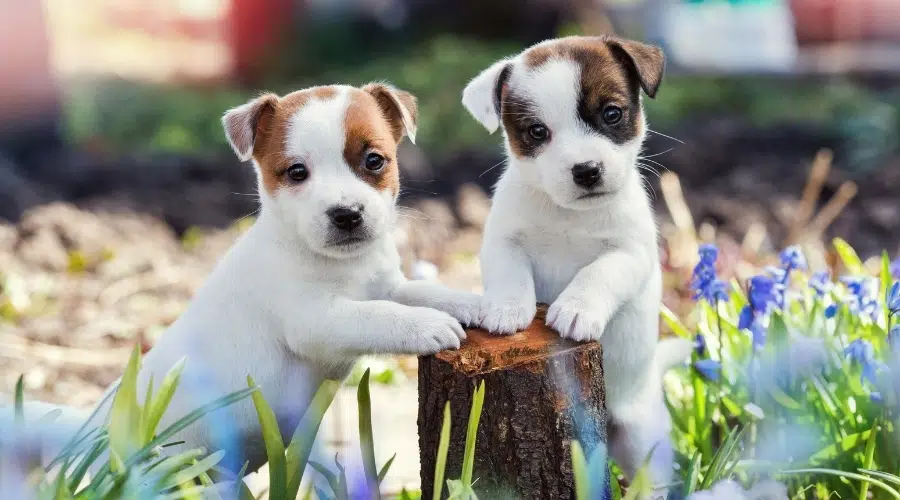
column 20, row 401
column 440, row 463
column 125, row 414
column 189, row 474
column 366, row 437
column 579, row 469
column 693, row 474
column 274, row 444
column 384, row 470
column 869, row 458
column 845, row 475
column 162, row 399
column 330, row 477
column 85, row 464
column 304, row 437
column 882, row 475
column 472, row 435
column 848, row 256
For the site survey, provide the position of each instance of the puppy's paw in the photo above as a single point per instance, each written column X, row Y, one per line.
column 465, row 307
column 574, row 319
column 436, row 331
column 504, row 317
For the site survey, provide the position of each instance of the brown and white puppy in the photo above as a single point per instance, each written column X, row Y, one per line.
column 315, row 282
column 571, row 224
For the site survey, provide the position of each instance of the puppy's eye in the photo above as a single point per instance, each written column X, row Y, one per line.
column 297, row 172
column 539, row 132
column 612, row 115
column 374, row 162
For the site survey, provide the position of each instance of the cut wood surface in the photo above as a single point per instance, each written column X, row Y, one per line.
column 542, row 392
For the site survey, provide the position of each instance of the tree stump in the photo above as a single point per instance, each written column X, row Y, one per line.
column 541, row 392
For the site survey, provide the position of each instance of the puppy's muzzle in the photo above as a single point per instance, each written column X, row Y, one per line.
column 587, row 174
column 346, row 218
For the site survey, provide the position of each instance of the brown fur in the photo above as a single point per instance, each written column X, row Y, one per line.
column 369, row 129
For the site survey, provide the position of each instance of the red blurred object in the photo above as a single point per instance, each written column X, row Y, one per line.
column 255, row 26
column 826, row 21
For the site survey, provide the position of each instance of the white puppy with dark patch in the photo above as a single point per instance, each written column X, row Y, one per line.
column 571, row 224
column 316, row 281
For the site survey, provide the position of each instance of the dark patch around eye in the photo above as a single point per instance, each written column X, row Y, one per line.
column 518, row 117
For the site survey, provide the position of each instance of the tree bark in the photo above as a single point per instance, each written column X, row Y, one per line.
column 541, row 392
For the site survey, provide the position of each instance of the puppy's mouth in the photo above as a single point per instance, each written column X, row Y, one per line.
column 590, row 196
column 350, row 240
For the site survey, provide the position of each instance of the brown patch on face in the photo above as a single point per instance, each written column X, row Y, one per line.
column 613, row 72
column 371, row 130
column 271, row 128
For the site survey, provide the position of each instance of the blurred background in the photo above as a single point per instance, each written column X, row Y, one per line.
column 778, row 122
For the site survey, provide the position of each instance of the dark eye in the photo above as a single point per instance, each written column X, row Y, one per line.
column 539, row 132
column 374, row 161
column 298, row 172
column 612, row 115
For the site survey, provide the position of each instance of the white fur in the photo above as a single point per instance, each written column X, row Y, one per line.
column 290, row 310
column 594, row 260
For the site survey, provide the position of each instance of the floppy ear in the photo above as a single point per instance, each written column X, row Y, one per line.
column 482, row 95
column 399, row 106
column 242, row 123
column 647, row 61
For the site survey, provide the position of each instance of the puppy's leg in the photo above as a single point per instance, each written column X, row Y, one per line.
column 584, row 308
column 463, row 306
column 509, row 299
column 635, row 431
column 348, row 328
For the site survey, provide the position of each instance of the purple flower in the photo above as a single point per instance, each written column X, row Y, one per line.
column 895, row 268
column 863, row 297
column 792, row 258
column 709, row 369
column 821, row 283
column 700, row 345
column 893, row 298
column 705, row 284
column 861, row 352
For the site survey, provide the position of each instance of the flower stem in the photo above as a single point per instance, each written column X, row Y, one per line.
column 869, row 460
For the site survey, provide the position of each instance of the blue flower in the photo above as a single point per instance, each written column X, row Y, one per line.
column 792, row 258
column 705, row 284
column 746, row 317
column 863, row 298
column 893, row 298
column 700, row 344
column 709, row 369
column 861, row 352
column 895, row 268
column 821, row 283
column 830, row 311
column 759, row 334
column 761, row 294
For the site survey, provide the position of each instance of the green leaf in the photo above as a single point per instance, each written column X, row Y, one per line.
column 189, row 474
column 882, row 475
column 274, row 444
column 848, row 256
column 887, row 280
column 778, row 331
column 580, row 471
column 472, row 435
column 848, row 443
column 329, row 476
column 384, row 470
column 440, row 463
column 721, row 458
column 869, row 459
column 304, row 437
column 693, row 474
column 162, row 399
column 87, row 460
column 20, row 401
column 366, row 437
column 784, row 399
column 674, row 323
column 845, row 475
column 125, row 414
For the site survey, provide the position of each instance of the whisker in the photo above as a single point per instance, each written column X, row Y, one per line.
column 657, row 154
column 666, row 136
column 656, row 163
column 492, row 168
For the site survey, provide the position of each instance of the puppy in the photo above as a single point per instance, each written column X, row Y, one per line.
column 571, row 224
column 316, row 281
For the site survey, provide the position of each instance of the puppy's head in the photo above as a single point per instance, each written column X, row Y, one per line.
column 326, row 159
column 571, row 113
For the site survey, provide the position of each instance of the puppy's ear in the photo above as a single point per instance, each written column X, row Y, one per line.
column 646, row 61
column 242, row 123
column 482, row 96
column 400, row 108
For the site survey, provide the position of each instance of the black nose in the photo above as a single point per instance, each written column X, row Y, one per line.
column 586, row 174
column 346, row 218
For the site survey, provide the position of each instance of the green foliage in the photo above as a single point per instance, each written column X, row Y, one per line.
column 802, row 408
